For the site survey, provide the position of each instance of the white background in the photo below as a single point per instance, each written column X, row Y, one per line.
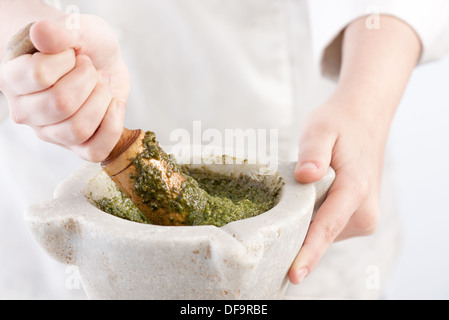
column 419, row 143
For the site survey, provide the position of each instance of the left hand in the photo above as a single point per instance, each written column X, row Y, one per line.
column 349, row 133
column 337, row 134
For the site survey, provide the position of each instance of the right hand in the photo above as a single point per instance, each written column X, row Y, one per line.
column 73, row 92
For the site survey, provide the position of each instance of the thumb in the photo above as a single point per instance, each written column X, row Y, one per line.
column 51, row 37
column 315, row 154
column 94, row 38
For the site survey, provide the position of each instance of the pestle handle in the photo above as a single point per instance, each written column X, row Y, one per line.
column 21, row 44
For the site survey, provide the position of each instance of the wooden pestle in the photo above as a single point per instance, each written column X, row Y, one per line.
column 119, row 165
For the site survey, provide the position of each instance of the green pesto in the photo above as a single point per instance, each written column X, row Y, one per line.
column 207, row 199
column 121, row 206
column 230, row 199
column 150, row 186
column 148, row 180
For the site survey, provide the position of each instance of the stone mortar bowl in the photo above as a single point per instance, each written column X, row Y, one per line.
column 120, row 259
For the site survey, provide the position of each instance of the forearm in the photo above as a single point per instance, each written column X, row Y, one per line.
column 376, row 66
column 15, row 14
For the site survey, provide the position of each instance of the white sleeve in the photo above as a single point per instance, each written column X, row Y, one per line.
column 328, row 18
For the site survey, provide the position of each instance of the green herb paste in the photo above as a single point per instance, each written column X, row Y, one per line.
column 206, row 198
column 230, row 199
column 121, row 206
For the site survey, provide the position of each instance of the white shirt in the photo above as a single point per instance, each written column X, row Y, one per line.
column 249, row 64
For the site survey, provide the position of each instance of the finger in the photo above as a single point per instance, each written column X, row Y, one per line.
column 33, row 73
column 52, row 37
column 363, row 222
column 315, row 153
column 82, row 125
column 93, row 39
column 61, row 101
column 328, row 223
column 98, row 147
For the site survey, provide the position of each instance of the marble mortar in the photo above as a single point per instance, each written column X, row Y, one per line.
column 120, row 259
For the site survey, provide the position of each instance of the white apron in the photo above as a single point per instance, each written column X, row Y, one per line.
column 234, row 64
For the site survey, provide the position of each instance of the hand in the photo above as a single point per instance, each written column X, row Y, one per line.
column 336, row 134
column 349, row 132
column 73, row 92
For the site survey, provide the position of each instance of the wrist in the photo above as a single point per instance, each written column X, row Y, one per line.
column 376, row 66
column 363, row 112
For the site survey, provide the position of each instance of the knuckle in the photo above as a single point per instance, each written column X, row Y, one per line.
column 41, row 76
column 89, row 72
column 367, row 224
column 62, row 103
column 329, row 231
column 40, row 133
column 77, row 132
column 17, row 114
column 87, row 68
column 105, row 91
column 18, row 117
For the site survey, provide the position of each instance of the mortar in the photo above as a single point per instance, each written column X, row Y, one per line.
column 121, row 259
